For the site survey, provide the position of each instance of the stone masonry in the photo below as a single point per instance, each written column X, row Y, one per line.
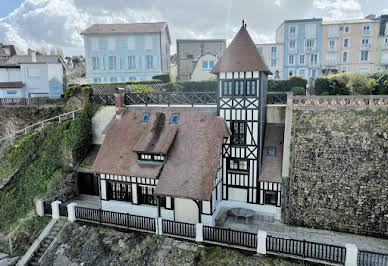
column 339, row 170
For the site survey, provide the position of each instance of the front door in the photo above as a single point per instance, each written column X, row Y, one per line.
column 88, row 184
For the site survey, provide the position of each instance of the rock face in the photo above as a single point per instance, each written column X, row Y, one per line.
column 96, row 245
column 5, row 260
column 340, row 175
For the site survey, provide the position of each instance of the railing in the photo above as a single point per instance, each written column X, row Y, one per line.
column 276, row 98
column 53, row 120
column 63, row 210
column 230, row 237
column 372, row 258
column 178, row 228
column 122, row 219
column 29, row 101
column 306, row 249
column 105, row 99
column 366, row 46
column 47, row 208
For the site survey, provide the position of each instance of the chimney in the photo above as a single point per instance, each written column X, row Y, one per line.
column 119, row 103
column 33, row 56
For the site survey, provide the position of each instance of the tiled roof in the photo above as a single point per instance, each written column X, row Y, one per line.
column 6, row 85
column 133, row 28
column 272, row 166
column 19, row 59
column 241, row 55
column 192, row 160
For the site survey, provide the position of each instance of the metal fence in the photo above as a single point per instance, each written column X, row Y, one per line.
column 39, row 101
column 276, row 98
column 178, row 228
column 47, row 208
column 306, row 249
column 368, row 258
column 230, row 237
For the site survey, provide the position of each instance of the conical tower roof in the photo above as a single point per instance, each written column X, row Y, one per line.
column 241, row 56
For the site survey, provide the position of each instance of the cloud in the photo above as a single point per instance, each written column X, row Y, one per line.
column 58, row 23
column 340, row 9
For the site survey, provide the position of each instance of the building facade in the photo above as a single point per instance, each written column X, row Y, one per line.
column 6, row 52
column 122, row 52
column 349, row 46
column 273, row 55
column 32, row 76
column 302, row 47
column 190, row 52
column 381, row 63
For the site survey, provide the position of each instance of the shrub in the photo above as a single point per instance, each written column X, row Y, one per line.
column 296, row 81
column 282, row 85
column 322, row 86
column 298, row 91
column 357, row 84
column 381, row 79
column 191, row 86
column 165, row 78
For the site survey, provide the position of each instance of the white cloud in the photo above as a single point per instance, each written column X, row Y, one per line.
column 58, row 23
column 340, row 9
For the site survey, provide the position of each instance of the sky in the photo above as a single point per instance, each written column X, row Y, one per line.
column 58, row 23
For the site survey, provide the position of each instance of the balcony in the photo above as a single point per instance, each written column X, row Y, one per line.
column 292, row 50
column 333, row 34
column 332, row 49
column 309, row 49
column 292, row 35
column 366, row 46
column 313, row 64
column 367, row 33
column 331, row 63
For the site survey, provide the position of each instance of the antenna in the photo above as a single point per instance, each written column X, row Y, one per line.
column 243, row 23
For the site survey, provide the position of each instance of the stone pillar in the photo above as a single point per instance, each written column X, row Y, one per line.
column 71, row 211
column 199, row 232
column 351, row 255
column 159, row 228
column 103, row 189
column 119, row 103
column 134, row 194
column 55, row 209
column 261, row 242
column 39, row 207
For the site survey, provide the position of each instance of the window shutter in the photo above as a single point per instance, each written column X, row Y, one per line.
column 155, row 62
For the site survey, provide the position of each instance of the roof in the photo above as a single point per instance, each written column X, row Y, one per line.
column 128, row 28
column 6, row 85
column 192, row 160
column 241, row 55
column 26, row 59
column 201, row 40
column 350, row 21
column 272, row 166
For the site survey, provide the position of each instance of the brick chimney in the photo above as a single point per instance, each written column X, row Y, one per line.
column 33, row 56
column 120, row 103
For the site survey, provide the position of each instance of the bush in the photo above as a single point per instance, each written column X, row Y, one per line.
column 296, row 81
column 381, row 79
column 357, row 84
column 282, row 85
column 166, row 78
column 322, row 86
column 191, row 86
column 298, row 91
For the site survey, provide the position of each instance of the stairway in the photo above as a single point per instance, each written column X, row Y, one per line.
column 46, row 242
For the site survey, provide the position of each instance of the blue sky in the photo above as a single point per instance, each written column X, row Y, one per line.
column 58, row 23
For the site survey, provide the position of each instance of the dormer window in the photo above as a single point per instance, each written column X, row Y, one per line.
column 149, row 158
column 145, row 118
column 174, row 119
column 271, row 151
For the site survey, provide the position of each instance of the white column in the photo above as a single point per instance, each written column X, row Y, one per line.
column 261, row 242
column 71, row 211
column 159, row 229
column 39, row 207
column 351, row 255
column 199, row 232
column 168, row 202
column 103, row 189
column 134, row 193
column 55, row 209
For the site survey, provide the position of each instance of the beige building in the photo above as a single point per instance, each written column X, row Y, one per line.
column 203, row 66
column 349, row 46
column 273, row 55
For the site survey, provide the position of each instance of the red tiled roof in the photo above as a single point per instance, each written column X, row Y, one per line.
column 16, row 84
column 241, row 56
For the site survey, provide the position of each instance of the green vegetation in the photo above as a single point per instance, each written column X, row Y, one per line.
column 191, row 86
column 43, row 158
column 298, row 91
column 165, row 78
column 282, row 85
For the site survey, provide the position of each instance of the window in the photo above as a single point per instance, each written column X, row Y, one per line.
column 95, row 63
column 309, row 43
column 271, row 151
column 292, row 44
column 347, row 29
column 131, row 62
column 345, row 57
column 310, row 30
column 227, row 89
column 111, row 44
column 273, row 63
column 174, row 119
column 292, row 30
column 301, row 59
column 119, row 191
column 333, row 31
column 290, row 72
column 364, row 55
column 386, row 29
column 273, row 49
column 238, row 87
column 238, row 165
column 145, row 118
column 131, row 43
column 365, row 43
column 313, row 73
column 251, row 87
column 146, row 195
column 97, row 80
column 112, row 62
column 211, row 64
column 291, row 59
column 94, row 44
column 148, row 43
column 301, row 72
column 331, row 44
column 207, row 64
column 346, row 42
column 238, row 133
column 270, row 197
column 122, row 64
column 12, row 92
column 150, row 157
column 190, row 56
column 314, row 59
column 260, row 49
column 366, row 29
column 149, row 61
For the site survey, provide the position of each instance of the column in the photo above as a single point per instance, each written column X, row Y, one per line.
column 261, row 242
column 159, row 228
column 39, row 207
column 103, row 189
column 55, row 209
column 199, row 232
column 134, row 194
column 351, row 255
column 71, row 211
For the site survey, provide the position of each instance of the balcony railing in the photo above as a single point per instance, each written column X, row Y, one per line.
column 367, row 32
column 366, row 46
column 309, row 49
column 332, row 49
column 292, row 35
column 331, row 63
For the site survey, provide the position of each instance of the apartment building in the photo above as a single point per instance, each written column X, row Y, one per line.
column 273, row 56
column 121, row 52
column 350, row 45
column 381, row 62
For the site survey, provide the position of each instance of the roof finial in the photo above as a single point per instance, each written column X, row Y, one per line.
column 243, row 22
column 245, row 25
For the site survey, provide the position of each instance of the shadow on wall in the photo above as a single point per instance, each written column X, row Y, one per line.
column 55, row 88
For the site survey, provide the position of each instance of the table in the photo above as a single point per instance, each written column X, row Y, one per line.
column 241, row 212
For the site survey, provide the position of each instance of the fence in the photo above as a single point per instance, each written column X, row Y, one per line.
column 42, row 124
column 230, row 237
column 276, row 98
column 178, row 228
column 372, row 258
column 39, row 101
column 306, row 249
column 47, row 208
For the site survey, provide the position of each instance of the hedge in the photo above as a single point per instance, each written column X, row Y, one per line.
column 166, row 78
column 191, row 86
column 282, row 85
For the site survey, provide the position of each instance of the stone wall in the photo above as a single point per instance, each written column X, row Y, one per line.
column 339, row 171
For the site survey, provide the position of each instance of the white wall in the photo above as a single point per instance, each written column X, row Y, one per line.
column 10, row 74
column 35, row 84
column 186, row 210
column 203, row 74
column 99, row 121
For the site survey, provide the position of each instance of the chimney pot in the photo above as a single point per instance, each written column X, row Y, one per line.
column 119, row 103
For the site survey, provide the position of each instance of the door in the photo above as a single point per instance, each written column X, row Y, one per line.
column 186, row 211
column 88, row 184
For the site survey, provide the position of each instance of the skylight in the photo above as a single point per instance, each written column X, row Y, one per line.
column 271, row 151
column 174, row 119
column 145, row 117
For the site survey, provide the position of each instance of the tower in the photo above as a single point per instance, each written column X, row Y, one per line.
column 241, row 101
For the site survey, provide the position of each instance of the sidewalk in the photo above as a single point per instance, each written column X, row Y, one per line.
column 314, row 235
